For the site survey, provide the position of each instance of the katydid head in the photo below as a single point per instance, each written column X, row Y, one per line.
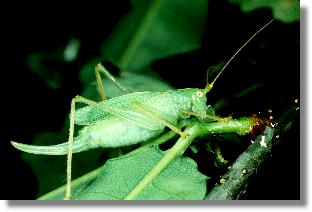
column 198, row 101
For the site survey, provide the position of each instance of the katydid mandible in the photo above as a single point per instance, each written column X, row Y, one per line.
column 129, row 119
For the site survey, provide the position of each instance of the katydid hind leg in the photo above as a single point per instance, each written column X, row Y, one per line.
column 101, row 69
column 100, row 84
column 70, row 141
column 70, row 149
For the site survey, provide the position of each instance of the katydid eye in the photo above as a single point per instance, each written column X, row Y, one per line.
column 199, row 94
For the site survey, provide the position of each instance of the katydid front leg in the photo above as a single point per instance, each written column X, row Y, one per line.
column 205, row 116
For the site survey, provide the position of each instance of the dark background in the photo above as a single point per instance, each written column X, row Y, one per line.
column 29, row 106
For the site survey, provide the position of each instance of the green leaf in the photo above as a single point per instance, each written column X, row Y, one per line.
column 154, row 30
column 283, row 10
column 180, row 180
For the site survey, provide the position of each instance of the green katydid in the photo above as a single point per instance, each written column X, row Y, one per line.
column 129, row 119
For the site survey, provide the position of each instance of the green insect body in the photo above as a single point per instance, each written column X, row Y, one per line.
column 123, row 124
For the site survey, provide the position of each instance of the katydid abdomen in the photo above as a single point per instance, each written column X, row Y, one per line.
column 106, row 133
